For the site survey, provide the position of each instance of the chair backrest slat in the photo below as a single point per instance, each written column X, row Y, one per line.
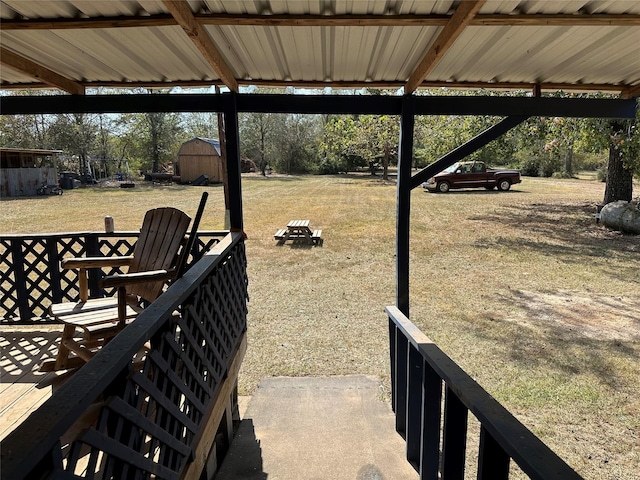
column 163, row 232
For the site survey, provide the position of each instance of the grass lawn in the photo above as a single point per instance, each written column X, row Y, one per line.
column 522, row 288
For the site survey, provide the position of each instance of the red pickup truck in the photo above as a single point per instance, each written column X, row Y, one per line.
column 472, row 175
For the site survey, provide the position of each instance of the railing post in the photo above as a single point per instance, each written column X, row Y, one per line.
column 392, row 360
column 454, row 440
column 21, row 280
column 414, row 406
column 54, row 268
column 493, row 461
column 432, row 399
column 401, row 385
column 94, row 274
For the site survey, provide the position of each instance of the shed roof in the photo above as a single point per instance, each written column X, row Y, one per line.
column 34, row 151
column 539, row 44
column 211, row 141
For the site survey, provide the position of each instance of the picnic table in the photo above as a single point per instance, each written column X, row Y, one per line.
column 299, row 231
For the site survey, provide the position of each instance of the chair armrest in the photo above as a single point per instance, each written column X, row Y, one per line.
column 138, row 277
column 96, row 262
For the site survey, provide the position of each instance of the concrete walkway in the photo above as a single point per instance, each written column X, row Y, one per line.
column 327, row 428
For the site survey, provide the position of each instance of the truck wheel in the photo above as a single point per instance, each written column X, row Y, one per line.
column 504, row 185
column 443, row 187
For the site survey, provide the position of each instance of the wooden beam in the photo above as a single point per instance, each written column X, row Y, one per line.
column 37, row 71
column 320, row 104
column 181, row 11
column 631, row 92
column 587, row 87
column 463, row 15
column 560, row 20
column 162, row 20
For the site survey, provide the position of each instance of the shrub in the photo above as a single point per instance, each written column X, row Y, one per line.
column 328, row 167
column 589, row 161
column 530, row 167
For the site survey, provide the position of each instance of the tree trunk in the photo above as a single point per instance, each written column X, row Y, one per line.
column 385, row 163
column 619, row 178
column 263, row 160
column 568, row 161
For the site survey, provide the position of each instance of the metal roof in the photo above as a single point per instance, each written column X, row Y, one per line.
column 542, row 44
column 214, row 142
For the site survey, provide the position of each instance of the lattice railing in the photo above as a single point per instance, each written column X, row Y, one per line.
column 155, row 415
column 31, row 278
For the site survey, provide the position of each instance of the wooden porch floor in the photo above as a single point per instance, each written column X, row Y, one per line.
column 22, row 387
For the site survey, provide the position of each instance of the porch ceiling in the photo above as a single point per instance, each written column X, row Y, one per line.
column 537, row 44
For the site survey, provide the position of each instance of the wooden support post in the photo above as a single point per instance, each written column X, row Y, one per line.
column 233, row 162
column 403, row 204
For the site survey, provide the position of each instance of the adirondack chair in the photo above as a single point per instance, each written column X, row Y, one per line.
column 157, row 258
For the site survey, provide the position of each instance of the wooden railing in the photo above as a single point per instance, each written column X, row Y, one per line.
column 150, row 403
column 31, row 278
column 436, row 432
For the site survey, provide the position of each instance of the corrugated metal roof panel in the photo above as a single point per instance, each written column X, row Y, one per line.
column 552, row 54
column 549, row 54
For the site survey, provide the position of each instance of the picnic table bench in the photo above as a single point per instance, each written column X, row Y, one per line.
column 299, row 231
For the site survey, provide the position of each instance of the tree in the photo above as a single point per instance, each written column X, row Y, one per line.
column 105, row 143
column 376, row 137
column 76, row 133
column 297, row 152
column 200, row 124
column 622, row 147
column 26, row 131
column 338, row 151
column 622, row 141
column 436, row 136
column 152, row 138
column 258, row 137
column 350, row 142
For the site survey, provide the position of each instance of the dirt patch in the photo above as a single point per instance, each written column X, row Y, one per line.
column 583, row 315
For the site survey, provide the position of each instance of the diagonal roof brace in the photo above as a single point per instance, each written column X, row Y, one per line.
column 181, row 11
column 462, row 17
column 37, row 71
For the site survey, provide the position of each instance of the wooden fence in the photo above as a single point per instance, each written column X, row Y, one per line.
column 31, row 278
column 436, row 431
column 125, row 419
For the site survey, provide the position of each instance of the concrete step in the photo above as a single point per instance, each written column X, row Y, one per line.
column 308, row 428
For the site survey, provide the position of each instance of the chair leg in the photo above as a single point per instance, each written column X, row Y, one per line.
column 63, row 359
column 63, row 351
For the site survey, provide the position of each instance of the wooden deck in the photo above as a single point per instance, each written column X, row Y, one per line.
column 22, row 387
